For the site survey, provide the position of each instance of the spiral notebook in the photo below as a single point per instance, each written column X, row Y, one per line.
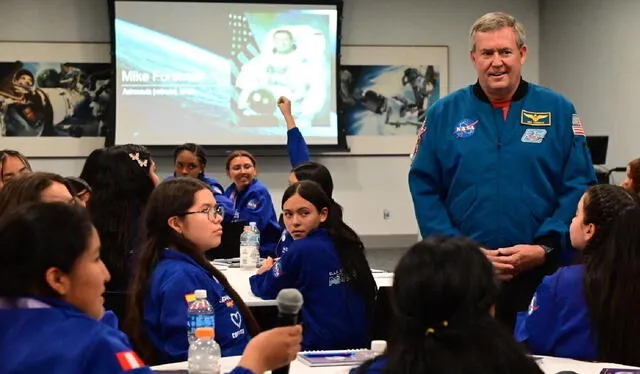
column 350, row 357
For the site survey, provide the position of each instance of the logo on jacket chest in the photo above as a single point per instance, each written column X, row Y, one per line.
column 465, row 128
column 533, row 136
column 528, row 118
column 253, row 204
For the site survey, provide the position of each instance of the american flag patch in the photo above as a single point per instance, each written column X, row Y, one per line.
column 576, row 125
column 129, row 360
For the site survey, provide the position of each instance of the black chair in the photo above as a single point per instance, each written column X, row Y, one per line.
column 230, row 245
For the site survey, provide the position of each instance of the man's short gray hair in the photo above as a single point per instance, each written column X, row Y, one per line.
column 495, row 21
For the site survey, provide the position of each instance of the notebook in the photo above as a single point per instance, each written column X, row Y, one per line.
column 336, row 358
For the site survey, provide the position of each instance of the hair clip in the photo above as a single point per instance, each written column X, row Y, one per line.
column 431, row 330
column 136, row 157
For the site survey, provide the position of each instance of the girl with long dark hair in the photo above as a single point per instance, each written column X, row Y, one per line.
column 327, row 264
column 182, row 221
column 590, row 311
column 444, row 294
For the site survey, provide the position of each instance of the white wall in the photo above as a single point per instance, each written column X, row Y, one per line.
column 365, row 186
column 590, row 54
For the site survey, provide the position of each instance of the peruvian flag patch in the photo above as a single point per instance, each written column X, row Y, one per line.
column 129, row 360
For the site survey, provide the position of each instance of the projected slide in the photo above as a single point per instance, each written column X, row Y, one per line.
column 212, row 73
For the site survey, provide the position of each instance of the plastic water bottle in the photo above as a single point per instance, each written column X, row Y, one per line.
column 204, row 353
column 200, row 314
column 249, row 248
column 255, row 229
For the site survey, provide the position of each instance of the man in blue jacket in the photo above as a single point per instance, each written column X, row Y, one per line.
column 504, row 162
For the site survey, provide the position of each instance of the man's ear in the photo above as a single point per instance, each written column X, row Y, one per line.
column 58, row 280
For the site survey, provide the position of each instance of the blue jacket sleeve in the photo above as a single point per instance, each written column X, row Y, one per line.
column 173, row 314
column 578, row 174
column 240, row 370
column 537, row 327
column 283, row 274
column 426, row 185
column 111, row 356
column 297, row 147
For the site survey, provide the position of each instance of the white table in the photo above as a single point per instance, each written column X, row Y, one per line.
column 550, row 365
column 239, row 280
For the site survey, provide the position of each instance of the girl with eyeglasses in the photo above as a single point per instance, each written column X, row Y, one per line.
column 182, row 220
column 50, row 316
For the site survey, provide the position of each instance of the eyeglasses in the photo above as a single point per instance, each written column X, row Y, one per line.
column 211, row 213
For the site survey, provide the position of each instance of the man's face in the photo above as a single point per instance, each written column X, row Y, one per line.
column 283, row 42
column 25, row 80
column 498, row 61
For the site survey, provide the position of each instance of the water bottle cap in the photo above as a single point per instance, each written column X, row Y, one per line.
column 379, row 346
column 201, row 294
column 252, row 224
column 205, row 333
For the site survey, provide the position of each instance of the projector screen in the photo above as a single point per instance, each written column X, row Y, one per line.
column 211, row 73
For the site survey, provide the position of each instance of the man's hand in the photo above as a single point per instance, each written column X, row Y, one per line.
column 504, row 270
column 522, row 257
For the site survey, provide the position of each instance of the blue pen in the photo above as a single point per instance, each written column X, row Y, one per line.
column 337, row 354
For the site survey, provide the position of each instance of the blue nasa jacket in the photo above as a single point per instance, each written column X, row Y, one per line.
column 333, row 313
column 298, row 154
column 55, row 337
column 165, row 308
column 558, row 323
column 297, row 147
column 218, row 194
column 254, row 204
column 500, row 182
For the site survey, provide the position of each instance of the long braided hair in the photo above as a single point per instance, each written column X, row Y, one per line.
column 612, row 264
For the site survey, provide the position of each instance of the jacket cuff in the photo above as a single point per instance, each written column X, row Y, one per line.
column 550, row 240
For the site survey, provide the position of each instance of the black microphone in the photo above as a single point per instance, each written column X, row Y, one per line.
column 289, row 303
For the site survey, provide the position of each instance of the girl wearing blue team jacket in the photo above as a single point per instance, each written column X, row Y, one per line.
column 327, row 264
column 182, row 221
column 303, row 168
column 51, row 285
column 51, row 282
column 252, row 200
column 190, row 160
column 590, row 311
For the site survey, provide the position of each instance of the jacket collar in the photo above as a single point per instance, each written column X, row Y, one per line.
column 521, row 91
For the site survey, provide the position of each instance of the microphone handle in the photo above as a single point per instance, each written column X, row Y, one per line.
column 285, row 320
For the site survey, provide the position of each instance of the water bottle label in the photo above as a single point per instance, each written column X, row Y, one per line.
column 201, row 320
column 247, row 255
